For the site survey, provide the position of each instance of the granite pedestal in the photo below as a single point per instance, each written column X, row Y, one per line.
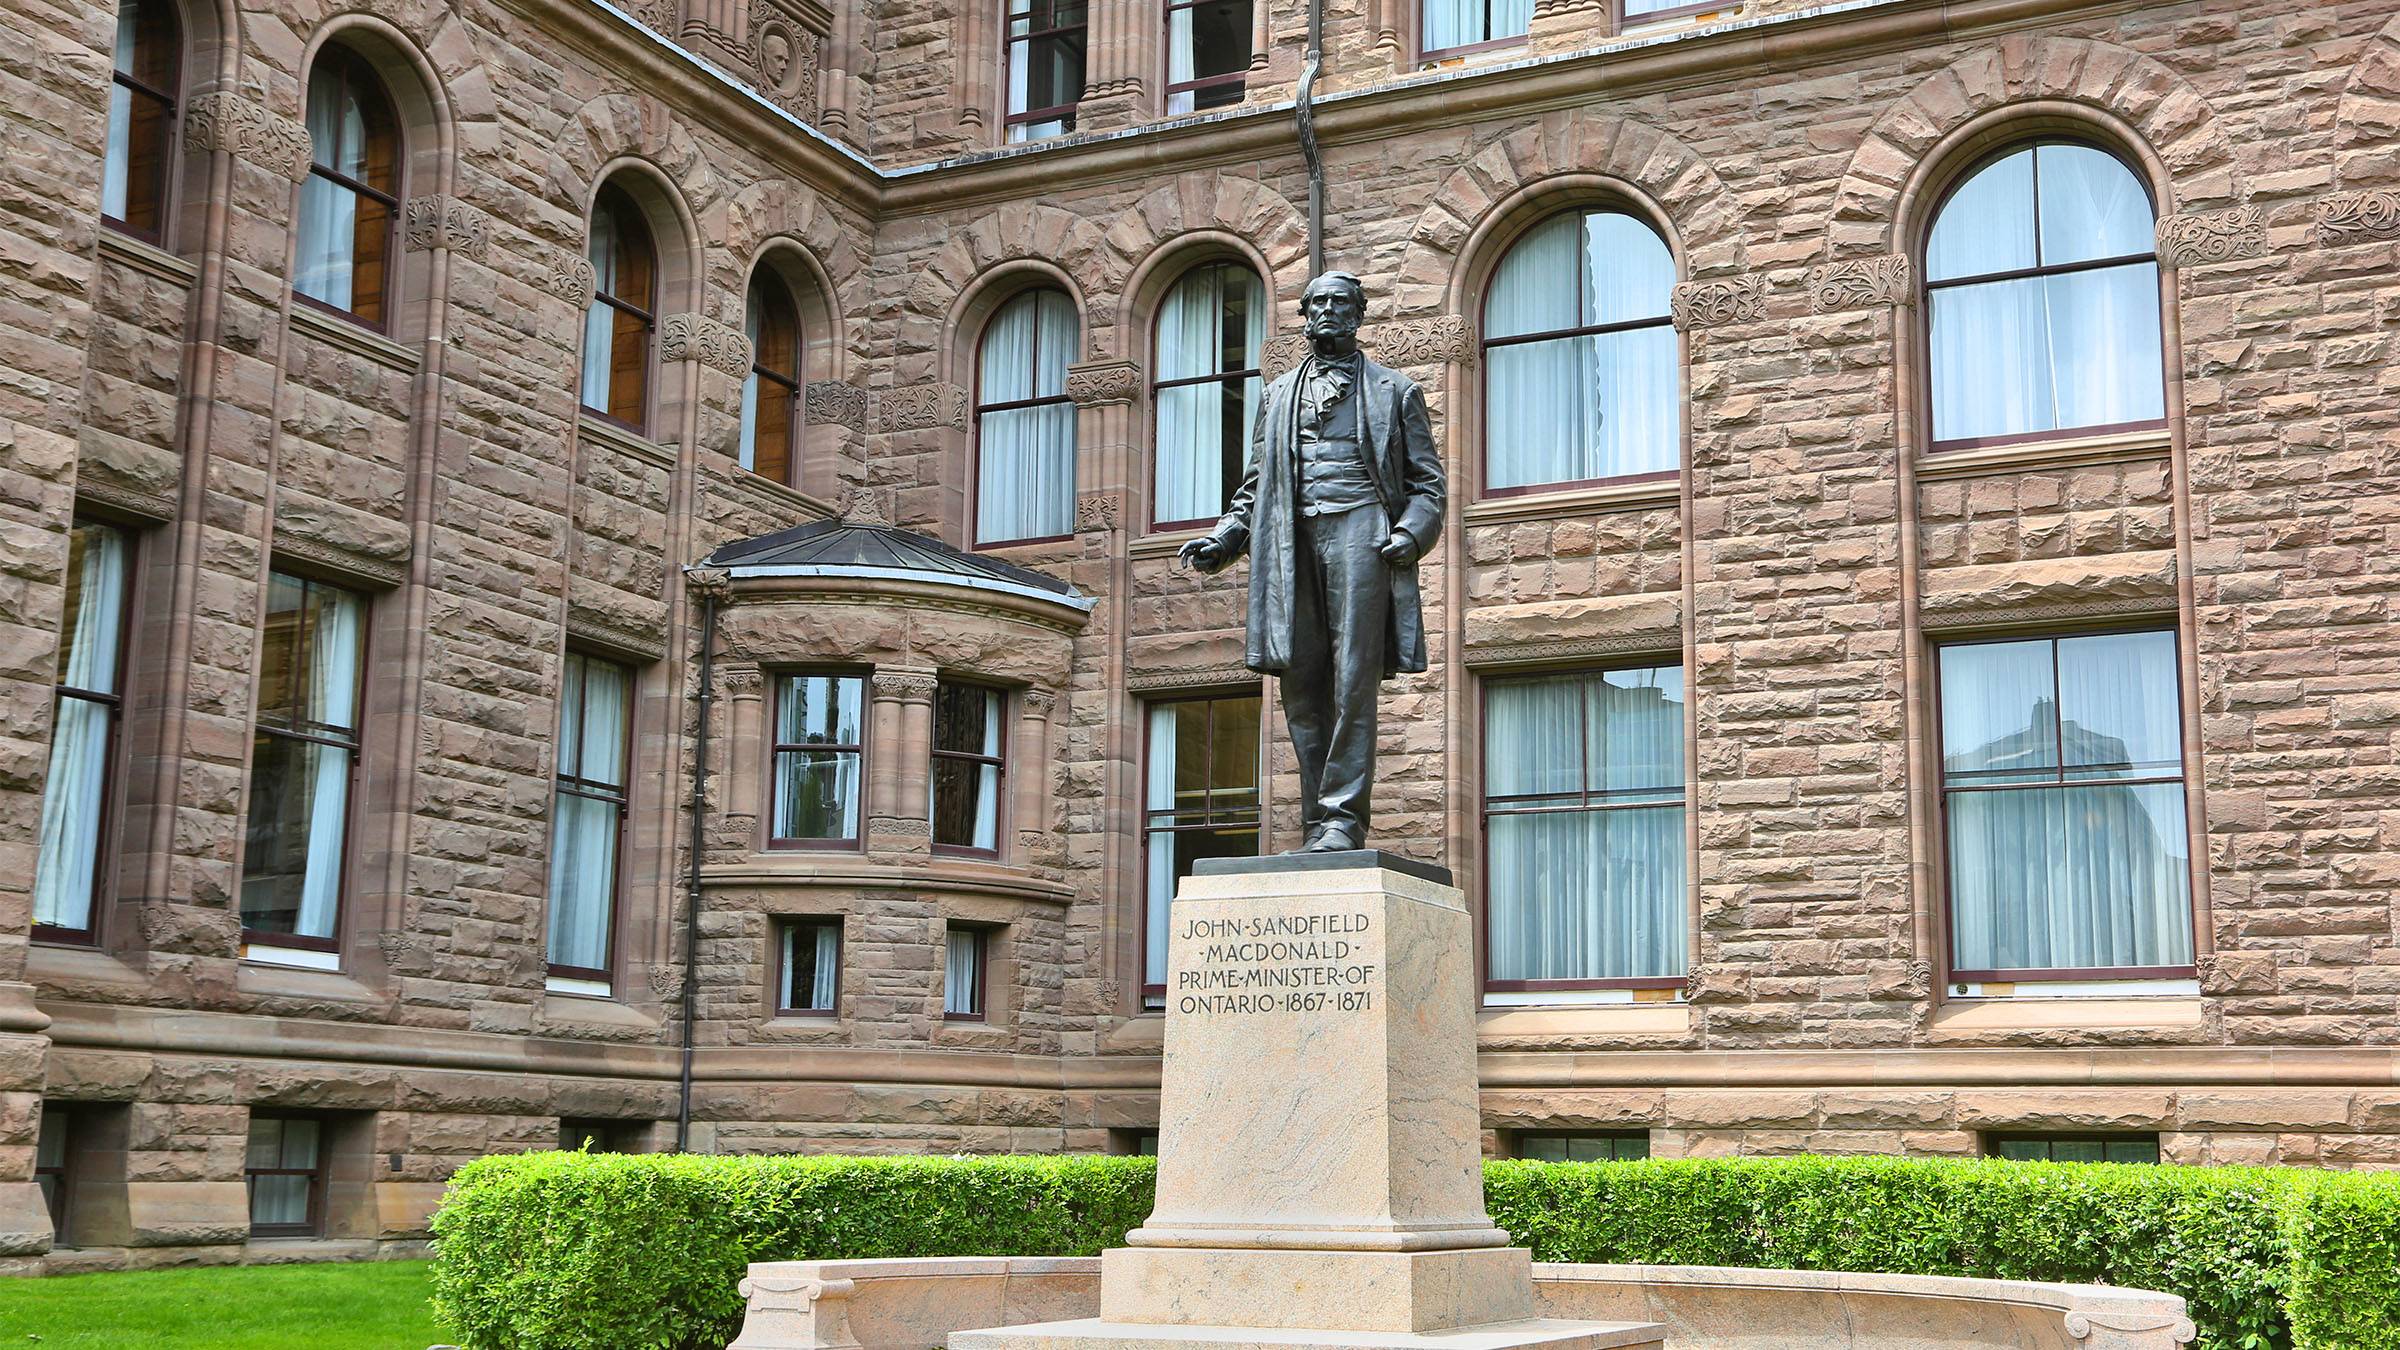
column 1320, row 1180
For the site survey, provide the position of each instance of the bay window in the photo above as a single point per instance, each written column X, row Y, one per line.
column 595, row 723
column 87, row 706
column 1584, row 830
column 819, row 758
column 968, row 759
column 303, row 758
column 1200, row 799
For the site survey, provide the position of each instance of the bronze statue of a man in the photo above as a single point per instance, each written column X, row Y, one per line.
column 1343, row 495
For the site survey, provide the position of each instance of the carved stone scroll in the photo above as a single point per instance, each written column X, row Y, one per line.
column 837, row 403
column 1707, row 304
column 690, row 337
column 1104, row 382
column 1862, row 283
column 1423, row 342
column 228, row 121
column 570, row 279
column 920, row 406
column 2219, row 237
column 2359, row 216
column 447, row 222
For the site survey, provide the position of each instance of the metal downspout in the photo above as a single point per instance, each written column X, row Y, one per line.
column 708, row 581
column 1304, row 111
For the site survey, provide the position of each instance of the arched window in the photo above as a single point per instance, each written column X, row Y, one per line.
column 1209, row 334
column 1459, row 25
column 771, row 396
column 617, row 327
column 141, row 118
column 2041, row 287
column 350, row 202
column 1024, row 425
column 1579, row 357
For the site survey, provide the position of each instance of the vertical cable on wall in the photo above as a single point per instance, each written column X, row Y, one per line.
column 710, row 582
column 1304, row 111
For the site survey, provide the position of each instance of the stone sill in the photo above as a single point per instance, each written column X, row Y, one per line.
column 1649, row 496
column 974, row 1035
column 601, row 431
column 1145, row 1033
column 1592, row 1019
column 276, row 1251
column 2073, row 453
column 82, row 968
column 1980, row 1017
column 803, row 1030
column 119, row 247
column 354, row 338
column 572, row 1010
column 276, row 981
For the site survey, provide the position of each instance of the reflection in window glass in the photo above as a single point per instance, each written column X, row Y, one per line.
column 617, row 325
column 818, row 758
column 1199, row 800
column 771, row 396
column 2118, row 1148
column 301, row 760
column 141, row 118
column 1560, row 1146
column 967, row 747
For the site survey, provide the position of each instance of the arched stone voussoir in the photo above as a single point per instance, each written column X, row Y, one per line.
column 621, row 126
column 779, row 208
column 2121, row 86
column 1242, row 207
column 1019, row 231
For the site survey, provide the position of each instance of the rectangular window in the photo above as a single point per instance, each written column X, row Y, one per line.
column 286, row 1172
column 968, row 759
column 52, row 1170
column 1199, row 800
column 820, row 741
column 86, row 710
column 2115, row 1148
column 1208, row 54
column 595, row 724
column 302, row 761
column 2063, row 807
column 602, row 1136
column 1045, row 66
column 1583, row 830
column 963, row 970
column 1580, row 1145
column 810, row 984
column 1456, row 25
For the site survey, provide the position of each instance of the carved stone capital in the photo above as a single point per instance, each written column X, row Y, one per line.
column 2218, row 237
column 1040, row 702
column 571, row 280
column 935, row 403
column 1862, row 283
column 446, row 222
column 1104, row 382
column 742, row 681
column 1708, row 304
column 665, row 981
column 837, row 403
column 2359, row 216
column 229, row 121
column 907, row 686
column 1421, row 342
column 696, row 337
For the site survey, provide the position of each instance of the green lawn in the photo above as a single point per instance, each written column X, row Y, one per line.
column 373, row 1306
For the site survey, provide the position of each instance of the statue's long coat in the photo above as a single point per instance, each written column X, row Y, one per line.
column 1408, row 477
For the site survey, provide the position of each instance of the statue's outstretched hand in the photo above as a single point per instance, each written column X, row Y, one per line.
column 1206, row 554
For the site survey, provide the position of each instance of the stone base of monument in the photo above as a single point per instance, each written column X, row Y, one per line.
column 1320, row 1180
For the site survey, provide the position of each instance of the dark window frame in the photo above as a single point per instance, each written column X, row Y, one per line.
column 786, row 930
column 792, row 385
column 936, row 754
column 1993, row 1139
column 1484, row 362
column 1484, row 814
column 594, row 790
column 356, row 745
column 169, row 103
column 314, row 1225
column 1231, row 381
column 1427, row 54
column 1015, row 48
column 1209, row 821
column 1032, row 358
column 1941, row 810
column 777, row 748
column 59, row 1196
column 111, row 776
column 981, row 1006
column 348, row 65
column 1623, row 20
column 1517, row 1139
column 619, row 201
column 1237, row 80
column 1926, row 287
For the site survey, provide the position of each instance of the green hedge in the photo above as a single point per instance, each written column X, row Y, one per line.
column 560, row 1251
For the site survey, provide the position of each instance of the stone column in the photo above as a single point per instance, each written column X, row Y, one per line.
column 1567, row 25
column 1118, row 48
column 745, row 742
column 1029, row 773
column 899, row 761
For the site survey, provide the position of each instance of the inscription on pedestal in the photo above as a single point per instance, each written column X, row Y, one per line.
column 1269, row 964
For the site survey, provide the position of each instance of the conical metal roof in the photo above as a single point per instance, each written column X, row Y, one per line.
column 847, row 548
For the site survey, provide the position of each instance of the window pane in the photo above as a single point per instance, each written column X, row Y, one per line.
column 2025, row 1150
column 819, row 710
column 816, row 794
column 1992, row 360
column 962, row 973
column 2120, row 705
column 2131, row 1150
column 1524, row 749
column 1633, row 724
column 606, row 710
column 280, row 1201
column 1630, row 1148
column 1543, row 1147
column 2070, row 878
column 1999, row 712
column 1587, row 894
column 74, row 801
column 292, row 855
column 811, row 965
column 1206, row 40
column 2091, row 206
column 1987, row 225
column 1212, row 323
column 966, row 804
column 2105, row 346
column 966, row 719
column 1627, row 272
column 1583, row 408
column 1171, row 854
column 50, row 1144
column 1534, row 291
column 583, row 880
column 2076, row 1151
column 299, row 1144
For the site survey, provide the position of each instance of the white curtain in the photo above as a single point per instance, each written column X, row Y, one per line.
column 66, row 868
column 1574, row 409
column 334, row 636
column 987, row 777
column 2070, row 871
column 1208, row 312
column 281, row 1144
column 811, row 964
column 329, row 211
column 1180, row 62
column 599, row 321
column 593, row 722
column 1025, row 478
column 1589, row 885
column 962, row 973
column 1158, row 798
column 116, row 169
column 1460, row 23
column 2048, row 352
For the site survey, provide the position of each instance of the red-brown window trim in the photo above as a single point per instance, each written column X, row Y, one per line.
column 593, row 789
column 168, row 100
column 983, row 934
column 632, row 228
column 790, row 386
column 1231, row 380
column 350, row 795
column 777, row 747
column 1209, row 821
column 998, row 761
column 786, row 931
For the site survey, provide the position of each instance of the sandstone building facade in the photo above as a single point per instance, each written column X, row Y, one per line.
column 1914, row 664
